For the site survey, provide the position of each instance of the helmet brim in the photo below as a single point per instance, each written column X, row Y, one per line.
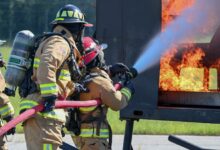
column 72, row 21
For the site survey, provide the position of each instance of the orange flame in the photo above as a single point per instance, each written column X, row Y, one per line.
column 187, row 71
column 173, row 8
column 185, row 74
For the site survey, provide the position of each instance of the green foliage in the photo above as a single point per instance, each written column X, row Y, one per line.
column 153, row 127
column 36, row 15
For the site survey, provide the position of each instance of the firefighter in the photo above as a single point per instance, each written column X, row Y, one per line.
column 95, row 132
column 53, row 75
column 6, row 109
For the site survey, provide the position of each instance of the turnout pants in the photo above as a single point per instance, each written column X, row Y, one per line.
column 42, row 133
column 90, row 143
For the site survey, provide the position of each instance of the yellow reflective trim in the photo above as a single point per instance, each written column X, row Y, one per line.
column 104, row 133
column 70, row 13
column 36, row 59
column 27, row 104
column 48, row 88
column 87, row 109
column 64, row 75
column 64, row 14
column 64, row 78
column 89, row 130
column 47, row 147
column 57, row 19
column 29, row 101
column 36, row 62
column 49, row 91
column 47, row 85
column 57, row 114
column 64, row 71
column 6, row 110
column 126, row 92
column 77, row 14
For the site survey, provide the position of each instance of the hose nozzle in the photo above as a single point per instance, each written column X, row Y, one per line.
column 134, row 72
column 131, row 74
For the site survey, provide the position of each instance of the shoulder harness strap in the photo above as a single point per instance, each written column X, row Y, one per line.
column 88, row 77
column 71, row 61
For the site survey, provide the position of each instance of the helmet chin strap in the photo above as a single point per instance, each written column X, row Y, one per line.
column 78, row 40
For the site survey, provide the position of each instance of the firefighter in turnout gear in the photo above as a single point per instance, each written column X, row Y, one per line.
column 54, row 72
column 6, row 109
column 95, row 132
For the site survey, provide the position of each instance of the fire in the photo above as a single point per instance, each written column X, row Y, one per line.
column 173, row 8
column 192, row 58
column 169, row 78
column 189, row 73
column 186, row 74
column 185, row 71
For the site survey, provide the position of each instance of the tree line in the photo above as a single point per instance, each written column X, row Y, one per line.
column 36, row 15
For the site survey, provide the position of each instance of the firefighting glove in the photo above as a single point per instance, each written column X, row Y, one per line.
column 49, row 103
column 128, row 90
column 117, row 69
column 12, row 130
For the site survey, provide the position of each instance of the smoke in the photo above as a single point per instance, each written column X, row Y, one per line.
column 192, row 22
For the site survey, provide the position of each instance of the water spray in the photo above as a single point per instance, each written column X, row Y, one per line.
column 188, row 25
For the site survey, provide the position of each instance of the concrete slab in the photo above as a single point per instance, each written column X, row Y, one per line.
column 139, row 142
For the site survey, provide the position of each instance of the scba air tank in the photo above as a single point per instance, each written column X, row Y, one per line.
column 19, row 61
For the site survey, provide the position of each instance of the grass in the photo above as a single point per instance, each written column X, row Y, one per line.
column 142, row 126
column 163, row 127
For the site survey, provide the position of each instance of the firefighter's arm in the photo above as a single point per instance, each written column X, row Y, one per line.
column 6, row 108
column 54, row 52
column 116, row 100
column 6, row 111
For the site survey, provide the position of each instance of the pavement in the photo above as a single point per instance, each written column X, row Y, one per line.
column 139, row 142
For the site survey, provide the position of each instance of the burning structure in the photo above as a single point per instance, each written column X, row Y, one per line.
column 182, row 84
column 189, row 72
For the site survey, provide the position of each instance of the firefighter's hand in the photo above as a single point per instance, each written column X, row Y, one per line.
column 49, row 103
column 12, row 130
column 80, row 88
column 118, row 68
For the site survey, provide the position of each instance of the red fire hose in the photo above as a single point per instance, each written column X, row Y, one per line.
column 59, row 104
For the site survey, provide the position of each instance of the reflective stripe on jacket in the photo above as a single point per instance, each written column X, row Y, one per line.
column 57, row 114
column 47, row 147
column 6, row 110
